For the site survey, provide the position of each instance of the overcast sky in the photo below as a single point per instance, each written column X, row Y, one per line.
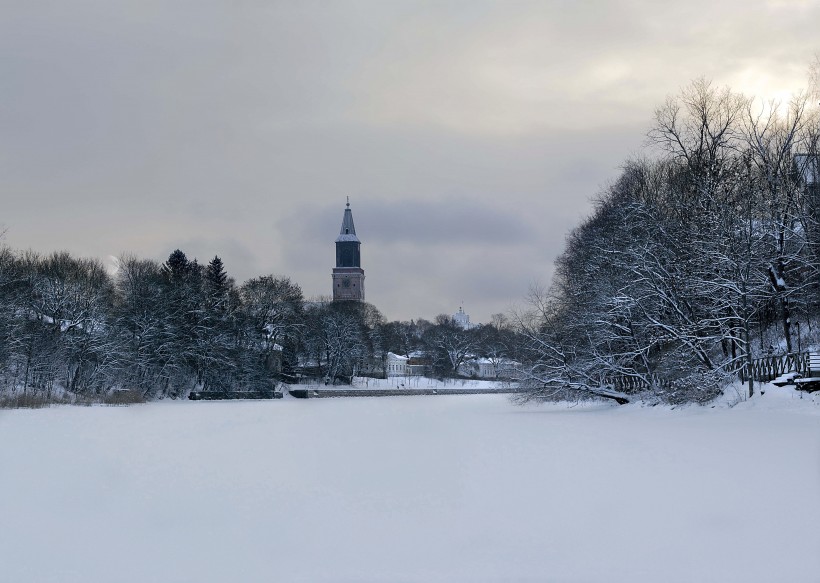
column 470, row 136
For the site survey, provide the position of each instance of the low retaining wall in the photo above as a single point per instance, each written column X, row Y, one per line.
column 231, row 395
column 323, row 392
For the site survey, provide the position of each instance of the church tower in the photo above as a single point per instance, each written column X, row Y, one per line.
column 348, row 275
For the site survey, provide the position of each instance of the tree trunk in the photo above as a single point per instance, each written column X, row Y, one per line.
column 779, row 284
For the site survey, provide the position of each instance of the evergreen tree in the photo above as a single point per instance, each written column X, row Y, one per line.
column 216, row 278
column 177, row 266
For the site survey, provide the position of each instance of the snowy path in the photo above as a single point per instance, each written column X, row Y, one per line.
column 426, row 489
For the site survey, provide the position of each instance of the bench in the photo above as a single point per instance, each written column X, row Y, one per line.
column 811, row 380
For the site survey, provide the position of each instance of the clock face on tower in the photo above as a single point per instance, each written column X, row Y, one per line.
column 346, row 282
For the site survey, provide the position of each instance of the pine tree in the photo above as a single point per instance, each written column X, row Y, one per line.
column 216, row 277
column 177, row 266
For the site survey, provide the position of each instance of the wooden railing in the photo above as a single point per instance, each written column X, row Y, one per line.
column 769, row 368
column 763, row 369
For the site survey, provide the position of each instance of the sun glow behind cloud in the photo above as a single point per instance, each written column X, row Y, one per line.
column 518, row 74
column 779, row 86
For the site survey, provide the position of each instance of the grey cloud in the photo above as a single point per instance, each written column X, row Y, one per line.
column 449, row 221
column 424, row 223
column 470, row 136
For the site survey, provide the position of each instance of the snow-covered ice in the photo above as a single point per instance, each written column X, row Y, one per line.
column 411, row 489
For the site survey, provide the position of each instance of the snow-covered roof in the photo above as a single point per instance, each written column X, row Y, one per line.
column 508, row 362
column 393, row 356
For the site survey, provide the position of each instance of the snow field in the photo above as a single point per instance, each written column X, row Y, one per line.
column 411, row 489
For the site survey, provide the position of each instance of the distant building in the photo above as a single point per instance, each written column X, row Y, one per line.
column 397, row 365
column 508, row 369
column 462, row 320
column 419, row 364
column 485, row 368
column 808, row 167
column 348, row 275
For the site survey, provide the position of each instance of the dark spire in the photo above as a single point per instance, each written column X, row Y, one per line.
column 348, row 230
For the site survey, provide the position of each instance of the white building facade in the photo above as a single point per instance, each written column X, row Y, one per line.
column 397, row 365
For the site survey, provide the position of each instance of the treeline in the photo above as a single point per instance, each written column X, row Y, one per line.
column 694, row 261
column 155, row 329
column 69, row 329
column 698, row 258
